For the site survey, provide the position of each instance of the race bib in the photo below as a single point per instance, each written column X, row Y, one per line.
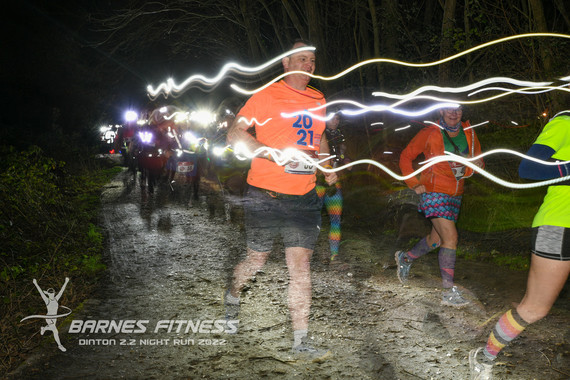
column 185, row 167
column 296, row 167
column 458, row 169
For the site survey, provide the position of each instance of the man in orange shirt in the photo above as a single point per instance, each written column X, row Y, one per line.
column 281, row 199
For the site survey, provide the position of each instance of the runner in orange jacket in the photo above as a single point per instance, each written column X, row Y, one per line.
column 440, row 188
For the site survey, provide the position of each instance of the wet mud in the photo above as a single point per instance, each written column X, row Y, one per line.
column 170, row 259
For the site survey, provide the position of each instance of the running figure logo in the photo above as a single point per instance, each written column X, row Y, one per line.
column 51, row 316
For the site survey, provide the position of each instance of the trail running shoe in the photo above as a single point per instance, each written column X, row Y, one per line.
column 305, row 350
column 479, row 371
column 453, row 297
column 402, row 266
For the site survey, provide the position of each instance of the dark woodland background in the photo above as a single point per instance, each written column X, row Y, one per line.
column 69, row 66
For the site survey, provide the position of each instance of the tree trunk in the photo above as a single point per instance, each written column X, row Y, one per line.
column 315, row 22
column 252, row 31
column 446, row 47
column 295, row 19
column 376, row 40
column 390, row 16
column 276, row 27
column 467, row 23
column 545, row 53
column 429, row 12
column 541, row 27
column 562, row 9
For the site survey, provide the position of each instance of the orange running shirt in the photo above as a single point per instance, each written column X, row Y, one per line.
column 276, row 131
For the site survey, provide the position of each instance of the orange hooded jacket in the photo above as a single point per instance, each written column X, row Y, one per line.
column 438, row 178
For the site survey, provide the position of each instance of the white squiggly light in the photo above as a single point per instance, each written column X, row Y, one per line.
column 373, row 108
column 443, row 103
column 528, row 90
column 456, row 90
column 291, row 154
column 504, row 151
column 402, row 63
column 171, row 87
column 402, row 128
column 281, row 157
column 253, row 121
column 476, row 125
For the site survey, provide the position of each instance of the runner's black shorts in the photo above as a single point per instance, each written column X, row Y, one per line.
column 296, row 218
column 551, row 242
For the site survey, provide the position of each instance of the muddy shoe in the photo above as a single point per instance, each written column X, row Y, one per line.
column 232, row 306
column 453, row 297
column 338, row 264
column 306, row 351
column 477, row 370
column 402, row 266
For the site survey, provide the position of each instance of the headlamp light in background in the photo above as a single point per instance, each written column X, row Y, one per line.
column 203, row 117
column 108, row 133
column 189, row 137
column 218, row 151
column 146, row 137
column 131, row 116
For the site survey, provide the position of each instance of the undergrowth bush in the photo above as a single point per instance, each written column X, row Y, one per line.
column 48, row 211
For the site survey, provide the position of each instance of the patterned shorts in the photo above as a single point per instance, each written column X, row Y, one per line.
column 440, row 205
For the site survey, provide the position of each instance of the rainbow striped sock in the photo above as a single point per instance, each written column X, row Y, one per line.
column 334, row 208
column 509, row 326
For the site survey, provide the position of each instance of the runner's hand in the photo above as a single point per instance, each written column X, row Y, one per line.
column 420, row 189
column 331, row 178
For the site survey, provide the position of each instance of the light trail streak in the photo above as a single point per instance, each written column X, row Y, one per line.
column 281, row 157
column 560, row 113
column 402, row 63
column 469, row 87
column 528, row 90
column 253, row 121
column 170, row 86
column 476, row 125
column 374, row 108
column 500, row 151
column 444, row 103
column 291, row 154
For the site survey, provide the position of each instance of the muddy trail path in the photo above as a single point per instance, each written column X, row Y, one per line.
column 170, row 260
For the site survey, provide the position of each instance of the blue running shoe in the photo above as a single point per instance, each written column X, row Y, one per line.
column 402, row 266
